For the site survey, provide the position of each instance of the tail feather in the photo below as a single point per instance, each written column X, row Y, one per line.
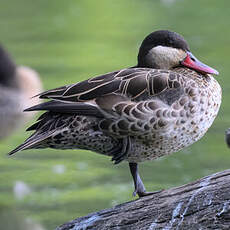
column 33, row 141
column 21, row 147
column 71, row 108
column 56, row 119
column 33, row 127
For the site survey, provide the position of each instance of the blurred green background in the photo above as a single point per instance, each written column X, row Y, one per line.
column 68, row 41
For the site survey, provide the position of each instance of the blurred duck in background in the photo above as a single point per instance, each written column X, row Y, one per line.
column 17, row 85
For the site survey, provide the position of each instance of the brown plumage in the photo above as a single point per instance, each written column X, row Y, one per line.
column 165, row 103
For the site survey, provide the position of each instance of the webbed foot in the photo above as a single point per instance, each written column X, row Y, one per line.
column 138, row 184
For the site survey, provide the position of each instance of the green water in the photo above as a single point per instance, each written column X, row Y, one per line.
column 68, row 41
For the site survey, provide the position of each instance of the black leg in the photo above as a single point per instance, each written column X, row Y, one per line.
column 138, row 184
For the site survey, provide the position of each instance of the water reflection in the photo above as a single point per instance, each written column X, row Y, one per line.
column 21, row 190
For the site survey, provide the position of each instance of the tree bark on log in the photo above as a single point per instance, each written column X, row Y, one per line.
column 203, row 204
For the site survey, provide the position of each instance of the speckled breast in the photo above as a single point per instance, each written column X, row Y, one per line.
column 188, row 120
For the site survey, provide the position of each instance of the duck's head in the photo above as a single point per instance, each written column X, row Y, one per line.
column 164, row 49
column 7, row 69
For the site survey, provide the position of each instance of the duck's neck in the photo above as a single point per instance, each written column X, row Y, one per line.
column 144, row 63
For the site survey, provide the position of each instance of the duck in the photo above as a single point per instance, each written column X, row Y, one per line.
column 17, row 85
column 163, row 104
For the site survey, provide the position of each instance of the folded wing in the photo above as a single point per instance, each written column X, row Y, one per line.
column 128, row 102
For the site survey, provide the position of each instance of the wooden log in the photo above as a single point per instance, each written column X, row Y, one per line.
column 203, row 204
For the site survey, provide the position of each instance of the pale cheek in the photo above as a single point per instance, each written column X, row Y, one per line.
column 164, row 62
column 180, row 56
column 158, row 61
column 165, row 57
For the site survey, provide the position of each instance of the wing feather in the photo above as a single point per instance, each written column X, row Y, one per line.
column 131, row 82
column 126, row 98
